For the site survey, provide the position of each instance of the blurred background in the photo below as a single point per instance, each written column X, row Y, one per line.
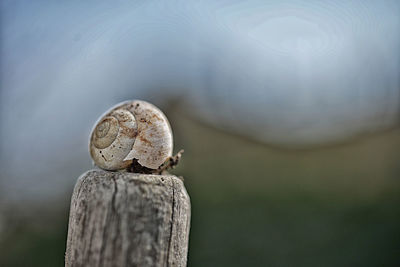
column 288, row 111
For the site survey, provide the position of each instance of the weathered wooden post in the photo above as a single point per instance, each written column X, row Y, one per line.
column 128, row 219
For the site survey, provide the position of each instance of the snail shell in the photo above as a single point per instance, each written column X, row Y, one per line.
column 131, row 130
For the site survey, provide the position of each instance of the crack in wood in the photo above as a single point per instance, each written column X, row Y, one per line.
column 172, row 224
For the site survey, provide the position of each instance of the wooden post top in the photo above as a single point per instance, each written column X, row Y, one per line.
column 128, row 219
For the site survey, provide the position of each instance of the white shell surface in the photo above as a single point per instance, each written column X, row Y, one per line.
column 131, row 130
column 154, row 142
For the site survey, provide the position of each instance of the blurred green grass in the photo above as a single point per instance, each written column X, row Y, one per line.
column 256, row 205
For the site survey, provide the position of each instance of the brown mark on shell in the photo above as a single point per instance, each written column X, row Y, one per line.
column 129, row 132
column 144, row 140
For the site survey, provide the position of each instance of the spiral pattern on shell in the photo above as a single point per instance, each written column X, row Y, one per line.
column 131, row 130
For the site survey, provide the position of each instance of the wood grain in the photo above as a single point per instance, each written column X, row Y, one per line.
column 127, row 219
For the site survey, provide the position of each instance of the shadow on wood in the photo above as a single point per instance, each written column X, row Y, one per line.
column 127, row 219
